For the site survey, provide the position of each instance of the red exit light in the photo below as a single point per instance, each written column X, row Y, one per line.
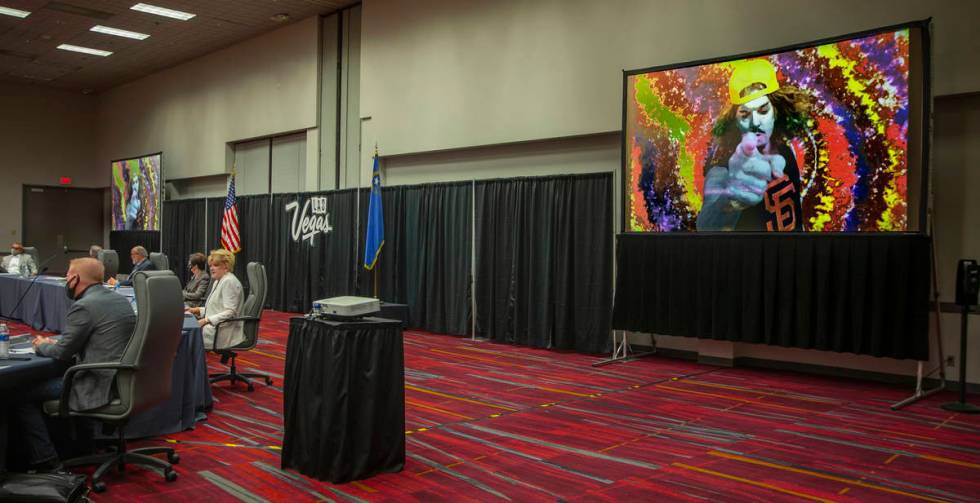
column 65, row 180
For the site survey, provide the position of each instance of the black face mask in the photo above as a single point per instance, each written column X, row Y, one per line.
column 70, row 289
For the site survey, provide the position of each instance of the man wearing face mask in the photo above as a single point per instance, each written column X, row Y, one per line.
column 19, row 262
column 752, row 179
column 99, row 326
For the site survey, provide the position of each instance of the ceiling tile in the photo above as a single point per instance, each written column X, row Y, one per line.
column 28, row 47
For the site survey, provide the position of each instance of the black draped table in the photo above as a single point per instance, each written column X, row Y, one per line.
column 858, row 293
column 344, row 399
column 190, row 389
column 393, row 311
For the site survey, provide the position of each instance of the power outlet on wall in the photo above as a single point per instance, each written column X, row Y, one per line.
column 950, row 361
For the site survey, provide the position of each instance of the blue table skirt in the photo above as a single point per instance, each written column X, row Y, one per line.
column 190, row 392
column 45, row 304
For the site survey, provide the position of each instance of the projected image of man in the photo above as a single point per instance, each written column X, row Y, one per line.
column 752, row 179
column 134, row 206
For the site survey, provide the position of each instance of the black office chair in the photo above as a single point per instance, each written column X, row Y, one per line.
column 110, row 260
column 251, row 315
column 160, row 261
column 143, row 376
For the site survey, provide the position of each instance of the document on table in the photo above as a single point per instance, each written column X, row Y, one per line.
column 22, row 351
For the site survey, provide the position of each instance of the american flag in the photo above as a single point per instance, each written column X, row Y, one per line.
column 231, row 240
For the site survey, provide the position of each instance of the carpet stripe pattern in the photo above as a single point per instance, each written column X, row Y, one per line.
column 491, row 422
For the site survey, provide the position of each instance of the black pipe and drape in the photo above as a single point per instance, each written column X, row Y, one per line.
column 544, row 261
column 124, row 241
column 216, row 210
column 184, row 231
column 855, row 293
column 544, row 243
column 303, row 270
column 426, row 260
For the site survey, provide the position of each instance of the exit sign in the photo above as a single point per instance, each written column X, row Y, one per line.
column 65, row 180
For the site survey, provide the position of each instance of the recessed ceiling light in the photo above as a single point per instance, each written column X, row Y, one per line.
column 86, row 50
column 161, row 11
column 120, row 33
column 282, row 17
column 7, row 11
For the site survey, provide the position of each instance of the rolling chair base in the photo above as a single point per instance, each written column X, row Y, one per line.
column 121, row 457
column 234, row 376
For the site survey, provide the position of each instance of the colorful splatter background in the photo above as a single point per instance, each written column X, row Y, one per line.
column 136, row 194
column 853, row 161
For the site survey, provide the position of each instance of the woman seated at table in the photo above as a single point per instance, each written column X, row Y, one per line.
column 224, row 302
column 197, row 287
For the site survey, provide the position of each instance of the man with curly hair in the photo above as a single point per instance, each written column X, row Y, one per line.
column 752, row 179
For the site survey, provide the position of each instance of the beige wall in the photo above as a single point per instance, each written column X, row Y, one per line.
column 44, row 134
column 442, row 74
column 956, row 184
column 587, row 154
column 263, row 86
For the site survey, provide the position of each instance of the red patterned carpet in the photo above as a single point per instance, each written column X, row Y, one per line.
column 490, row 422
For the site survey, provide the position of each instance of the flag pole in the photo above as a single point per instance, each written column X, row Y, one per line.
column 374, row 270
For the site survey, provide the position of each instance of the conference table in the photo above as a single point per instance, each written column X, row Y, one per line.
column 190, row 389
column 44, row 303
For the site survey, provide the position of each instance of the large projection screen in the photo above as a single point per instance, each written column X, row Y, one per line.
column 825, row 136
column 137, row 193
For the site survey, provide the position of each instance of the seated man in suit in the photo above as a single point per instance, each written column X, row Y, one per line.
column 197, row 287
column 141, row 262
column 99, row 326
column 19, row 262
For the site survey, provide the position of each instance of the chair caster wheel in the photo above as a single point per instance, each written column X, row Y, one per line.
column 99, row 487
column 173, row 458
column 170, row 475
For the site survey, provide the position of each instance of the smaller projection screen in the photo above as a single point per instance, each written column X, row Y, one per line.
column 820, row 137
column 136, row 193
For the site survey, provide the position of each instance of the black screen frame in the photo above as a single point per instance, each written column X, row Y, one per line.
column 925, row 32
column 160, row 199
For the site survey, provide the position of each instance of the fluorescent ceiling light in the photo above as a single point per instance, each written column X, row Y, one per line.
column 86, row 50
column 120, row 33
column 14, row 12
column 160, row 11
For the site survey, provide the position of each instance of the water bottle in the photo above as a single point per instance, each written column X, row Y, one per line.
column 4, row 341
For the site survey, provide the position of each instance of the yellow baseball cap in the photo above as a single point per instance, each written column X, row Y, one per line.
column 748, row 72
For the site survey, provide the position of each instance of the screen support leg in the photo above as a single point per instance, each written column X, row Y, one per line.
column 622, row 351
column 919, row 392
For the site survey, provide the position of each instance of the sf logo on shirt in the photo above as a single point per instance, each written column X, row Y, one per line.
column 780, row 205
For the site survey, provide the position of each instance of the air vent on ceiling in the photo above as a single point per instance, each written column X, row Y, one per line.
column 78, row 10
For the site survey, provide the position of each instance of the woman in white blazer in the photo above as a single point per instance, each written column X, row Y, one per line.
column 225, row 301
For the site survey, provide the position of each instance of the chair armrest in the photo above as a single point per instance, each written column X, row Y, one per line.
column 214, row 347
column 239, row 318
column 69, row 379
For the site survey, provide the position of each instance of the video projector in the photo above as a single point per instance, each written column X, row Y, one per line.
column 345, row 308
